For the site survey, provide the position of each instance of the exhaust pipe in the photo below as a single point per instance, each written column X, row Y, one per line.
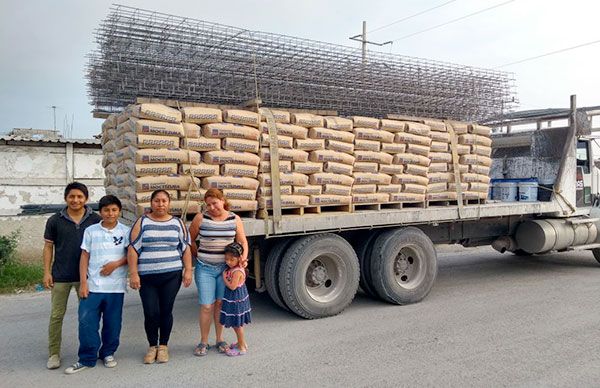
column 505, row 243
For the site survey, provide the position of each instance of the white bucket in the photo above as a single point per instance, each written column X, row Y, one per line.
column 506, row 191
column 528, row 191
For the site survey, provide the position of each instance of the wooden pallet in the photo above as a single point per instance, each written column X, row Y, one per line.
column 465, row 202
column 310, row 209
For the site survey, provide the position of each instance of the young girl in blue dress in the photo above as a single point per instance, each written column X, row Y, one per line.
column 235, row 310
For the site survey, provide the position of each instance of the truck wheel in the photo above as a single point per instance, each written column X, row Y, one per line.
column 319, row 275
column 403, row 265
column 272, row 266
column 596, row 252
column 363, row 250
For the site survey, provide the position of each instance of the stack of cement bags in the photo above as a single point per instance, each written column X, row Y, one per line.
column 476, row 163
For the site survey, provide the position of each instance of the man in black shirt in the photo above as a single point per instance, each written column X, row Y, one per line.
column 63, row 236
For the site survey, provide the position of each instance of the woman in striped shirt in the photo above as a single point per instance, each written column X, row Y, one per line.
column 160, row 248
column 216, row 228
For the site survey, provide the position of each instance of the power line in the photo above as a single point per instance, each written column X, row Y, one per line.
column 412, row 16
column 453, row 21
column 550, row 53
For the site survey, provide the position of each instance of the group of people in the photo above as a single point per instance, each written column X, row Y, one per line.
column 93, row 253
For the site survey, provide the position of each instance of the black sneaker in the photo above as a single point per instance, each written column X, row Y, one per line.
column 77, row 367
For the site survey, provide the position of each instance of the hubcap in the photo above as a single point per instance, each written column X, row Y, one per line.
column 325, row 278
column 409, row 267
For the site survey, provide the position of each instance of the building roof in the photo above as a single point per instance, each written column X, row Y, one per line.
column 12, row 138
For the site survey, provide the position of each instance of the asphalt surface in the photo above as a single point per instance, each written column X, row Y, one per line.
column 490, row 320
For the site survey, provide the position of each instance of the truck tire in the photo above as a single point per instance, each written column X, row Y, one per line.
column 403, row 265
column 272, row 266
column 596, row 252
column 319, row 275
column 363, row 250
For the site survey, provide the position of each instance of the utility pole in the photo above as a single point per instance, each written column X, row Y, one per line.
column 54, row 115
column 363, row 39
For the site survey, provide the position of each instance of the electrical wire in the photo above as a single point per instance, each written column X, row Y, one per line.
column 550, row 53
column 453, row 21
column 411, row 16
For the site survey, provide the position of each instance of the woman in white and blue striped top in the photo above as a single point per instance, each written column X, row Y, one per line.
column 160, row 248
column 216, row 228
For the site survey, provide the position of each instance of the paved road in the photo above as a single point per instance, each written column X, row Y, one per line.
column 490, row 320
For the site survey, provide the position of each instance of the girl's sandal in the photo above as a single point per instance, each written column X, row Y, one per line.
column 201, row 349
column 233, row 352
column 222, row 346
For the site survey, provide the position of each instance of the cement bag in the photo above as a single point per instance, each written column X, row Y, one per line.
column 309, row 144
column 223, row 130
column 108, row 135
column 239, row 205
column 406, row 197
column 366, row 167
column 324, row 178
column 241, row 145
column 200, row 115
column 474, row 195
column 226, row 157
column 145, row 196
column 337, row 168
column 479, row 187
column 241, row 117
column 191, row 131
column 437, row 187
column 111, row 168
column 285, row 179
column 459, row 127
column 467, row 139
column 412, row 188
column 410, row 138
column 437, row 146
column 239, row 170
column 475, row 178
column 367, row 145
column 440, row 157
column 365, row 122
column 194, row 195
column 367, row 178
column 392, row 125
column 412, row 159
column 339, row 146
column 463, row 168
column 307, row 120
column 267, row 191
column 331, row 134
column 391, row 169
column 481, row 150
column 164, row 156
column 374, row 157
column 364, row 189
column 225, row 182
column 408, row 178
column 440, row 177
column 447, row 196
column 475, row 159
column 308, row 190
column 157, row 112
column 338, row 123
column 282, row 141
column 150, row 127
column 417, row 128
column 201, row 144
column 483, row 141
column 110, row 122
column 109, row 146
column 123, row 116
column 373, row 134
column 175, row 207
column 287, row 201
column 476, row 169
column 454, row 187
column 331, row 156
column 480, row 130
column 370, row 198
column 144, row 169
column 243, row 194
column 147, row 141
column 337, row 190
column 415, row 169
column 164, row 182
column 442, row 137
column 435, row 125
column 284, row 166
column 199, row 170
column 323, row 200
column 285, row 154
column 388, row 189
column 438, row 167
column 295, row 131
column 307, row 167
column 393, row 148
column 280, row 116
column 418, row 149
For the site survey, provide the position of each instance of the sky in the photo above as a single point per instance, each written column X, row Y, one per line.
column 43, row 44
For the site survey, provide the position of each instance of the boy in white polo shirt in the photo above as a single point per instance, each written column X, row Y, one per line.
column 103, row 273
